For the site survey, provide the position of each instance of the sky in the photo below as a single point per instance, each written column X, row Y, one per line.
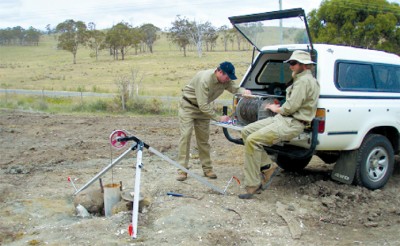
column 161, row 13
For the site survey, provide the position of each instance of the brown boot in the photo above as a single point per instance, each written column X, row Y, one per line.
column 250, row 191
column 268, row 175
column 210, row 174
column 182, row 176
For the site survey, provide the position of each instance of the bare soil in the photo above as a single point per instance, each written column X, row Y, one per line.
column 39, row 151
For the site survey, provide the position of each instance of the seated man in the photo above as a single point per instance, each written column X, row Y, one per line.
column 290, row 120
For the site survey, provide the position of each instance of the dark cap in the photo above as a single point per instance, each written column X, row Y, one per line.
column 229, row 69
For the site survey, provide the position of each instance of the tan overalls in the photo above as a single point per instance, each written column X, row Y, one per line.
column 195, row 111
column 300, row 107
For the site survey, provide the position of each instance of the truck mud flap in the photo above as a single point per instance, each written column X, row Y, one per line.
column 345, row 167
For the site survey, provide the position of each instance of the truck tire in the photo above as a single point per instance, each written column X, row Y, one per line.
column 375, row 162
column 291, row 164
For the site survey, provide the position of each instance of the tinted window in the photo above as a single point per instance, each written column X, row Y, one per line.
column 275, row 72
column 355, row 76
column 387, row 77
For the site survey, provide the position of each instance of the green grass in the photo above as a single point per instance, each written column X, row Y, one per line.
column 136, row 106
column 165, row 71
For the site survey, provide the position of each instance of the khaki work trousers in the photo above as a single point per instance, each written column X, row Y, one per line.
column 265, row 132
column 190, row 117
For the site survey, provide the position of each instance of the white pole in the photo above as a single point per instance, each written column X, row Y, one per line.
column 280, row 23
column 135, row 210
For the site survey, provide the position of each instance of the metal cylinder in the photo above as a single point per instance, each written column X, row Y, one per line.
column 249, row 110
column 112, row 195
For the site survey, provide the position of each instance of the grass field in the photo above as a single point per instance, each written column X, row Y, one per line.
column 165, row 71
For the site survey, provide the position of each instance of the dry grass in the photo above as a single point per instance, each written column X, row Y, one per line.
column 165, row 71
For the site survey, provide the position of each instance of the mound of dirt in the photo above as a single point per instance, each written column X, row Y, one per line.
column 40, row 151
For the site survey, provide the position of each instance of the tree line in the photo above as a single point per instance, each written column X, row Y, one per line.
column 118, row 39
column 372, row 24
column 123, row 37
column 19, row 36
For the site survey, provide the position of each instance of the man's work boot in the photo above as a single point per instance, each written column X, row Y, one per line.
column 210, row 174
column 268, row 175
column 182, row 176
column 250, row 191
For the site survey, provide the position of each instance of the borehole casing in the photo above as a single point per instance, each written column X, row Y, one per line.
column 112, row 195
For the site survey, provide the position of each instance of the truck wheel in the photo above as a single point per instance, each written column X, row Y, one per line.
column 290, row 164
column 375, row 162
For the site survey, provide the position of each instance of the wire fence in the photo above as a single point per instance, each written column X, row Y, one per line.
column 169, row 103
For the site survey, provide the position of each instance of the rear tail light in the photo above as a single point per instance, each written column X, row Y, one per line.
column 320, row 114
column 235, row 102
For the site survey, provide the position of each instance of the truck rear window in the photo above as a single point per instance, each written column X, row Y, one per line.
column 274, row 72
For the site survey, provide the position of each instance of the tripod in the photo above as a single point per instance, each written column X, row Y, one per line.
column 118, row 139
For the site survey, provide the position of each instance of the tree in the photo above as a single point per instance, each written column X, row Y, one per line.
column 49, row 29
column 96, row 41
column 126, row 86
column 236, row 36
column 149, row 35
column 72, row 34
column 195, row 34
column 178, row 33
column 184, row 32
column 137, row 38
column 210, row 36
column 226, row 35
column 364, row 23
column 120, row 37
column 32, row 36
column 91, row 26
column 18, row 33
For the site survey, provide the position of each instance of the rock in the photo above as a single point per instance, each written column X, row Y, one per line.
column 290, row 218
column 82, row 212
column 91, row 199
column 143, row 203
column 126, row 206
column 371, row 224
column 121, row 206
column 18, row 170
column 291, row 208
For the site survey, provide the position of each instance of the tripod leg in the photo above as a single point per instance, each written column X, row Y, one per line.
column 135, row 210
column 106, row 169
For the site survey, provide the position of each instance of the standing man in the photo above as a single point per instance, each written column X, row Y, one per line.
column 195, row 111
column 290, row 120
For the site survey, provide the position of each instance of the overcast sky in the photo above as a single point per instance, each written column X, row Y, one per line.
column 106, row 13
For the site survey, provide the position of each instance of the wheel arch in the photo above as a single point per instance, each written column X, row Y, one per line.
column 391, row 133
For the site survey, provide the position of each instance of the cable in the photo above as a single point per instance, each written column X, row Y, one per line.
column 249, row 110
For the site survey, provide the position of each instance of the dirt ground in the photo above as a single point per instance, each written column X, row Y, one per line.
column 39, row 151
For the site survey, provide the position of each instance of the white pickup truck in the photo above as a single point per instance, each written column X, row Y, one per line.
column 357, row 123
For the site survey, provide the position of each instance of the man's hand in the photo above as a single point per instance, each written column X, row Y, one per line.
column 224, row 118
column 273, row 107
column 246, row 93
